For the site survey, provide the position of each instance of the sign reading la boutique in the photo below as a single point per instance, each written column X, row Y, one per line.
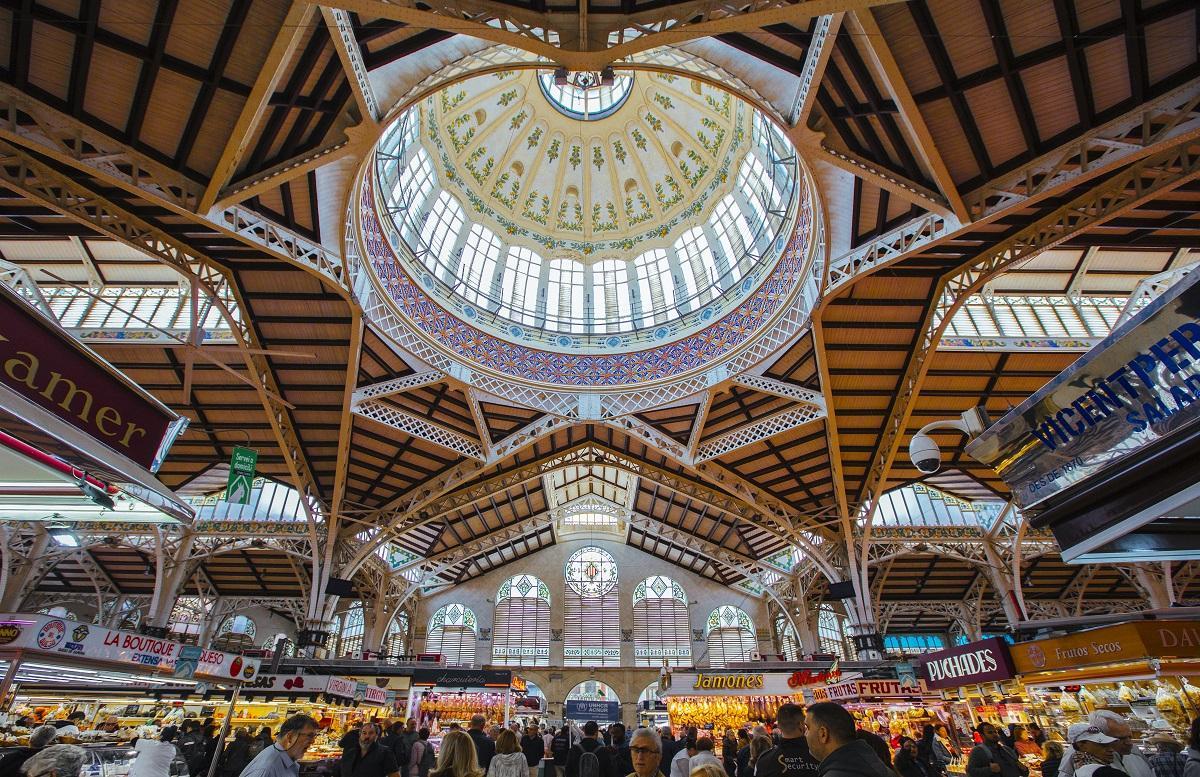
column 978, row 662
column 59, row 636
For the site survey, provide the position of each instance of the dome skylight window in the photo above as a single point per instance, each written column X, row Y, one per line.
column 586, row 95
column 538, row 246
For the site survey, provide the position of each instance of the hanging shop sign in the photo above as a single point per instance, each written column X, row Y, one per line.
column 373, row 694
column 45, row 365
column 978, row 662
column 241, row 475
column 728, row 684
column 599, row 711
column 1108, row 645
column 462, row 678
column 62, row 637
column 334, row 685
column 854, row 690
column 1136, row 386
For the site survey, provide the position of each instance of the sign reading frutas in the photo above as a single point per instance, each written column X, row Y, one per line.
column 1136, row 386
column 977, row 662
column 46, row 366
column 241, row 476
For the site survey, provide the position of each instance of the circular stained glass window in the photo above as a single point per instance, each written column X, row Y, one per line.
column 586, row 95
column 591, row 572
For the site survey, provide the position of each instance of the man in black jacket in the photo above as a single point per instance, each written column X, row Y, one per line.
column 534, row 748
column 622, row 758
column 830, row 735
column 590, row 744
column 485, row 748
column 791, row 757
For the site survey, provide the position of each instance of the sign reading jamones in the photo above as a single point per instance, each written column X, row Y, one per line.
column 978, row 662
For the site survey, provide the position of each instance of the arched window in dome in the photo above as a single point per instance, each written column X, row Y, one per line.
column 697, row 262
column 564, row 295
column 439, row 233
column 187, row 618
column 478, row 264
column 521, row 627
column 662, row 635
column 591, row 622
column 452, row 632
column 519, row 286
column 730, row 637
column 831, row 632
column 236, row 632
column 610, row 295
column 734, row 237
column 395, row 642
column 656, row 287
column 759, row 187
column 789, row 643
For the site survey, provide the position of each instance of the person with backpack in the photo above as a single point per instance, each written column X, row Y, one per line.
column 397, row 741
column 236, row 755
column 421, row 759
column 590, row 744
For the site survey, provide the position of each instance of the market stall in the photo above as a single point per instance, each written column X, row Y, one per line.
column 1148, row 671
column 887, row 707
column 717, row 701
column 440, row 697
column 43, row 650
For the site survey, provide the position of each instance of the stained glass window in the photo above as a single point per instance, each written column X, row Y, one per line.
column 452, row 631
column 730, row 637
column 662, row 635
column 521, row 628
column 591, row 621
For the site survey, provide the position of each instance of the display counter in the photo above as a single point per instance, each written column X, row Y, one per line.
column 441, row 697
column 1147, row 671
column 889, row 708
column 715, row 701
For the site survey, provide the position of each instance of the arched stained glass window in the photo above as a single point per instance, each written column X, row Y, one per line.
column 272, row 642
column 730, row 637
column 610, row 294
column 662, row 635
column 395, row 642
column 452, row 632
column 831, row 632
column 187, row 618
column 591, row 623
column 237, row 632
column 59, row 612
column 789, row 643
column 521, row 629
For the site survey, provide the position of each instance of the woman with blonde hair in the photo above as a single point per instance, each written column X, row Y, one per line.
column 708, row 770
column 457, row 757
column 759, row 745
column 508, row 761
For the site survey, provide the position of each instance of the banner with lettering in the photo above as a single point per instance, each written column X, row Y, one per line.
column 61, row 637
column 978, row 662
column 729, row 684
column 1108, row 645
column 865, row 689
column 46, row 366
column 599, row 711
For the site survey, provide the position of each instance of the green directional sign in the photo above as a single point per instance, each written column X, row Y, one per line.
column 241, row 476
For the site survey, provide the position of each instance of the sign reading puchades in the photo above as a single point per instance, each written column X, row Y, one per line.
column 977, row 662
column 599, row 711
column 61, row 637
column 1136, row 386
column 46, row 366
column 462, row 678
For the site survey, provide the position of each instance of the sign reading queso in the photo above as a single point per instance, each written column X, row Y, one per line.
column 46, row 366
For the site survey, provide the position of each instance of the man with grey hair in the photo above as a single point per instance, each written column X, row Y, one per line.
column 1127, row 759
column 645, row 750
column 40, row 738
column 485, row 747
column 282, row 759
column 55, row 761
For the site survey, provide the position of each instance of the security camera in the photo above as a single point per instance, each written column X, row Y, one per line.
column 925, row 453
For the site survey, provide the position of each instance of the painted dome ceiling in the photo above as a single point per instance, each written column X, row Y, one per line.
column 618, row 219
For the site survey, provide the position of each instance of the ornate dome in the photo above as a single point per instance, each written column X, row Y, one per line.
column 587, row 218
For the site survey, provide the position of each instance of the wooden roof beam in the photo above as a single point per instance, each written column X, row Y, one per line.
column 341, row 30
column 863, row 24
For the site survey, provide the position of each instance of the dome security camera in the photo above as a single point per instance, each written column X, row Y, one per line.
column 925, row 453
